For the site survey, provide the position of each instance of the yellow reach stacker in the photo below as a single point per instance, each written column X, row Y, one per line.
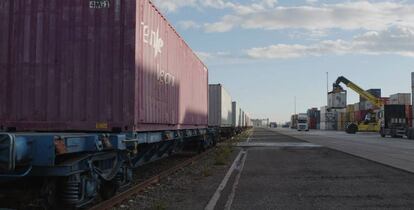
column 371, row 123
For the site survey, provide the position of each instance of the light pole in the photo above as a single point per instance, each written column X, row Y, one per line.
column 327, row 87
column 295, row 104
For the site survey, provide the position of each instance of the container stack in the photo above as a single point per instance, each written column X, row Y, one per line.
column 341, row 119
column 350, row 113
column 374, row 91
column 314, row 118
column 293, row 121
column 360, row 115
column 400, row 99
column 409, row 114
column 328, row 119
column 386, row 100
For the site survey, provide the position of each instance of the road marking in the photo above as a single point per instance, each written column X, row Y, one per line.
column 279, row 144
column 214, row 199
column 248, row 138
column 236, row 183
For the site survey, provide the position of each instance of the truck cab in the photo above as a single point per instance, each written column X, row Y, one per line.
column 302, row 122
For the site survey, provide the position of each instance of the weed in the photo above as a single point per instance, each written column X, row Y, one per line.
column 159, row 205
column 207, row 172
column 222, row 154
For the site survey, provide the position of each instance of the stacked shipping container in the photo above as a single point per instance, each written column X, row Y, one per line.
column 342, row 120
column 400, row 99
column 328, row 119
column 294, row 121
column 314, row 118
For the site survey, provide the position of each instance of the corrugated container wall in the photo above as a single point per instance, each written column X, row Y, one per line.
column 412, row 98
column 341, row 120
column 400, row 99
column 314, row 117
column 328, row 119
column 294, row 121
column 242, row 118
column 337, row 100
column 220, row 107
column 67, row 65
column 236, row 114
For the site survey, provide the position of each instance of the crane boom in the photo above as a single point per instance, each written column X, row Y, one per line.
column 368, row 96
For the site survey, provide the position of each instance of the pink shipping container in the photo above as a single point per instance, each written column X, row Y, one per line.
column 96, row 65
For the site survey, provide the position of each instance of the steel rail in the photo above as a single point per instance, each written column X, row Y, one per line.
column 122, row 196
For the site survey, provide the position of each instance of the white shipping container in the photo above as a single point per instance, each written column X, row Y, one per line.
column 220, row 107
column 401, row 99
column 328, row 126
column 328, row 115
column 337, row 100
column 236, row 114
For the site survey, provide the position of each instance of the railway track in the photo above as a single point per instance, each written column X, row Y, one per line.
column 141, row 186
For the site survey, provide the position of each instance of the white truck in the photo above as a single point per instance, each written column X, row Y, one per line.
column 302, row 122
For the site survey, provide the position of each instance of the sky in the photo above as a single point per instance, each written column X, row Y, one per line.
column 267, row 52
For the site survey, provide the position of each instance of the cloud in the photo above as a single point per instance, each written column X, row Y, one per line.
column 348, row 16
column 395, row 40
column 188, row 24
column 204, row 56
column 223, row 57
column 311, row 1
column 174, row 5
column 222, row 26
column 310, row 35
column 207, row 56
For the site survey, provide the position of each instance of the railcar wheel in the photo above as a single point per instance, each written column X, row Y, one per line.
column 49, row 194
column 108, row 189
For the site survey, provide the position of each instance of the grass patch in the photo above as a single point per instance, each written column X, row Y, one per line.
column 206, row 172
column 159, row 205
column 224, row 151
column 222, row 154
column 243, row 136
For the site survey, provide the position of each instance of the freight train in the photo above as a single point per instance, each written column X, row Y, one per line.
column 92, row 89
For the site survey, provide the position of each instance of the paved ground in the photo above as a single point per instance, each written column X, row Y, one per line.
column 298, row 177
column 398, row 153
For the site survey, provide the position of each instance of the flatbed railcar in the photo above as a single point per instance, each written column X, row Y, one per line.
column 90, row 90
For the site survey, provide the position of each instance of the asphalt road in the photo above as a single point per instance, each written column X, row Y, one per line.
column 397, row 153
column 285, row 175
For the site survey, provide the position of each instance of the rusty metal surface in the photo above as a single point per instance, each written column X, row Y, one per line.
column 83, row 66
